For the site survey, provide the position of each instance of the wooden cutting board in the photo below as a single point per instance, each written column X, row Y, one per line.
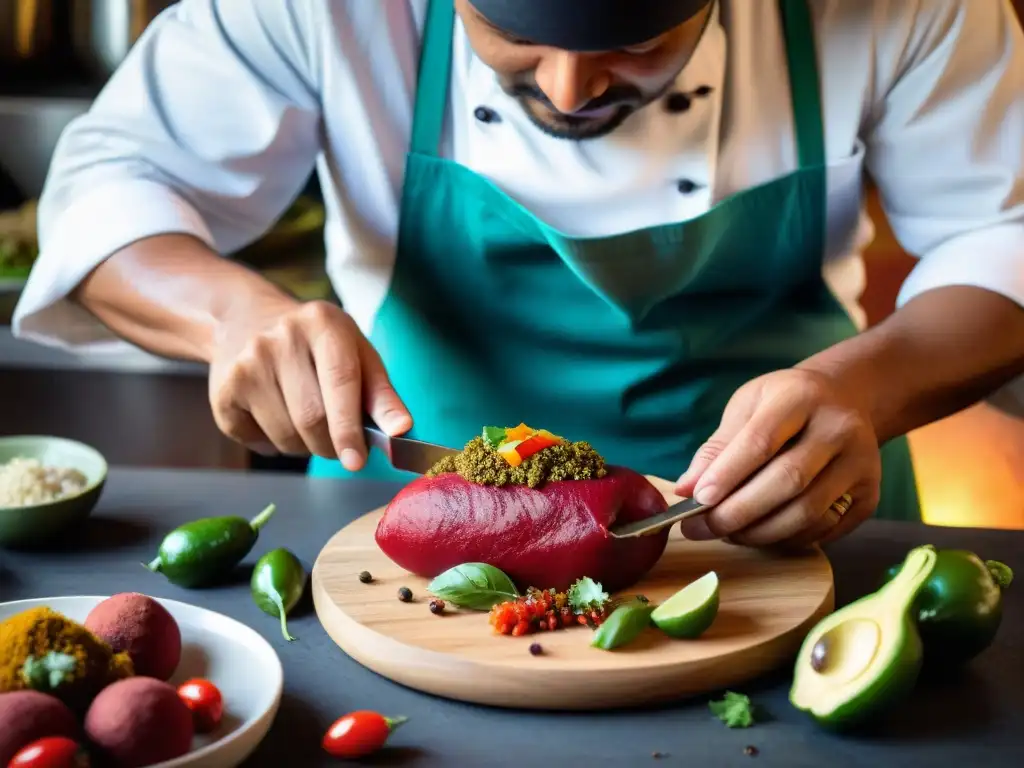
column 768, row 603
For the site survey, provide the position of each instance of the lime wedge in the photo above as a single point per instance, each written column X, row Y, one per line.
column 691, row 610
column 623, row 625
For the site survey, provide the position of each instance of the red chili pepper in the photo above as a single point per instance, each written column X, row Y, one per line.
column 358, row 734
column 538, row 442
column 205, row 701
column 51, row 752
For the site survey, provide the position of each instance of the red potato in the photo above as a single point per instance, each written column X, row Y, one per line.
column 142, row 627
column 545, row 537
column 27, row 716
column 138, row 722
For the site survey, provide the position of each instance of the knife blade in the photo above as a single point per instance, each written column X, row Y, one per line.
column 402, row 452
column 687, row 508
column 676, row 513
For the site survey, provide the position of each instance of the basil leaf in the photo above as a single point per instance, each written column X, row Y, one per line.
column 476, row 586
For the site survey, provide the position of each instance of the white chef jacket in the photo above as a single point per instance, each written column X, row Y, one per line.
column 223, row 108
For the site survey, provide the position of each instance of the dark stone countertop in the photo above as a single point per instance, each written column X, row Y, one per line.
column 976, row 717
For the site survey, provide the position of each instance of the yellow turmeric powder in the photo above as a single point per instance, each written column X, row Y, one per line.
column 45, row 650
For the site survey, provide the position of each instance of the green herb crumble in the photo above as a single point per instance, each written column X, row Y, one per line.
column 480, row 464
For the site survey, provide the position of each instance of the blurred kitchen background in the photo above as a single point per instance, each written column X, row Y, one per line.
column 55, row 55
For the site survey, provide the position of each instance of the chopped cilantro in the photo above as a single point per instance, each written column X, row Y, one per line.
column 587, row 595
column 734, row 710
column 46, row 674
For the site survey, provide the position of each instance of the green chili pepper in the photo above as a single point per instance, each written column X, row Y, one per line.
column 277, row 584
column 623, row 625
column 960, row 607
column 208, row 549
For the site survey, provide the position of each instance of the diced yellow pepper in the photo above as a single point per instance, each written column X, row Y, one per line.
column 508, row 453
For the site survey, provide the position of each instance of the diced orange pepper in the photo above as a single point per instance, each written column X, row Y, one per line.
column 550, row 435
column 522, row 432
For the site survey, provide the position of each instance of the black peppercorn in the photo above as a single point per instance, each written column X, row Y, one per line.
column 365, row 577
column 437, row 607
column 405, row 594
column 704, row 90
column 535, row 649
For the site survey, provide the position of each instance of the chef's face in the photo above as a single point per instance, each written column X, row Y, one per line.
column 572, row 95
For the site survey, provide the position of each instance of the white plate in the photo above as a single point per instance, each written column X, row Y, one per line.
column 229, row 654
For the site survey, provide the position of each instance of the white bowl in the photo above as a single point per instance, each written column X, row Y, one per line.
column 229, row 654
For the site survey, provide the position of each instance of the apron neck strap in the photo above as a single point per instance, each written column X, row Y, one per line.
column 804, row 85
column 432, row 79
column 798, row 29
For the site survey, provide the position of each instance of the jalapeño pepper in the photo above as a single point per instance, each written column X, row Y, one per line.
column 960, row 607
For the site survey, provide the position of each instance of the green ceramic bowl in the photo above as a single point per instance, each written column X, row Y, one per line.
column 36, row 524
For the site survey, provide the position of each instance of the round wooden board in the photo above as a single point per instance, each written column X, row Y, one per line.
column 768, row 603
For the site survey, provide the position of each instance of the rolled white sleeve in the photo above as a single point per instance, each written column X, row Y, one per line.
column 947, row 151
column 208, row 128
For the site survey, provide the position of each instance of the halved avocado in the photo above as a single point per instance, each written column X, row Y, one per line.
column 862, row 659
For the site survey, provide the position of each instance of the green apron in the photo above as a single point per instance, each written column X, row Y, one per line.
column 634, row 342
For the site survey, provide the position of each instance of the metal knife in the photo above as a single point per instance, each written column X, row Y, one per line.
column 678, row 512
column 688, row 508
column 402, row 452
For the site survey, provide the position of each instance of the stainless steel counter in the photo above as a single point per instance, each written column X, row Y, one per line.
column 29, row 130
column 136, row 409
column 19, row 354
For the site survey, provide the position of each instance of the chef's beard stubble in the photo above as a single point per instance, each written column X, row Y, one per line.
column 546, row 117
column 652, row 74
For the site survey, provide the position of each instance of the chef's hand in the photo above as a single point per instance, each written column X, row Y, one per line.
column 294, row 378
column 790, row 443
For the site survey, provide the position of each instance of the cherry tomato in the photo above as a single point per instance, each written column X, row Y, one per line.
column 51, row 752
column 358, row 734
column 205, row 701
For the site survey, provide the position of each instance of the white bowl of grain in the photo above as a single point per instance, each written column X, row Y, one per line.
column 47, row 485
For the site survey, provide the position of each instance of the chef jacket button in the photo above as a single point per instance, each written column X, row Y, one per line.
column 704, row 90
column 677, row 102
column 687, row 186
column 486, row 115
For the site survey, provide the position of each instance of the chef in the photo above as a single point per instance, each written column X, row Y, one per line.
column 632, row 222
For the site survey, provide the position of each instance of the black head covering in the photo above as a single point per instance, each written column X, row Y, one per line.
column 588, row 25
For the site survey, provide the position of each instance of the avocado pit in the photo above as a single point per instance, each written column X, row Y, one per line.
column 847, row 650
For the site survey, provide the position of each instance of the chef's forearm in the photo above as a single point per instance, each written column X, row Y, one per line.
column 942, row 352
column 170, row 295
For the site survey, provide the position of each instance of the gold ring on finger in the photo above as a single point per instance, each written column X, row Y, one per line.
column 842, row 505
